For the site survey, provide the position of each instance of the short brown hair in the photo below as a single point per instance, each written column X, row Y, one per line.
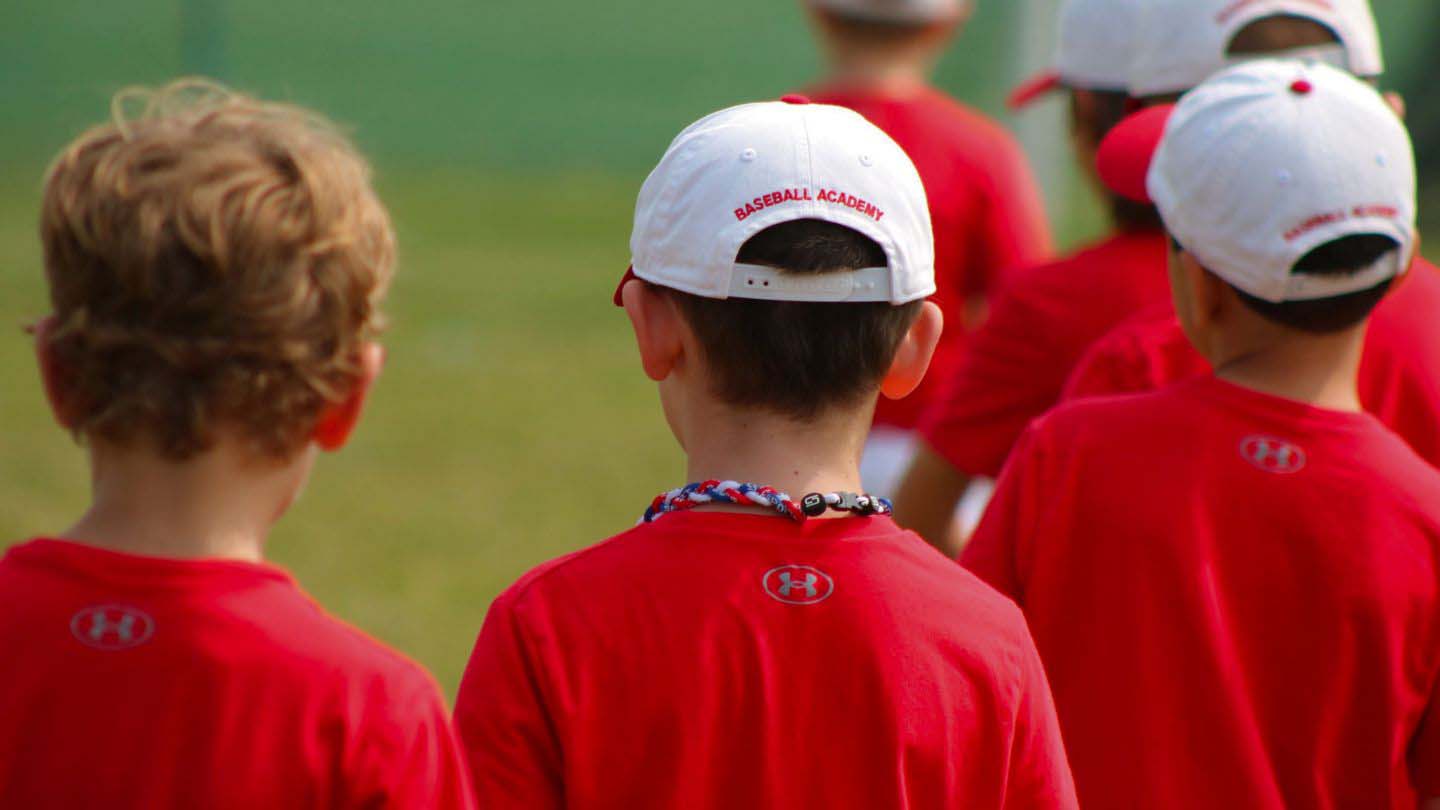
column 212, row 259
column 798, row 359
column 1345, row 256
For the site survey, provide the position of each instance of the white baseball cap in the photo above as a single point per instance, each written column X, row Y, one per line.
column 739, row 171
column 1093, row 51
column 1183, row 42
column 900, row 11
column 1264, row 163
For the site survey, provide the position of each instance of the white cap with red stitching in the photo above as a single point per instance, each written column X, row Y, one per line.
column 1182, row 42
column 900, row 11
column 1093, row 51
column 739, row 171
column 1264, row 163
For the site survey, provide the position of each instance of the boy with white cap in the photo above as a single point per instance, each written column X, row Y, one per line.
column 1235, row 582
column 741, row 648
column 987, row 210
column 1185, row 41
column 1013, row 367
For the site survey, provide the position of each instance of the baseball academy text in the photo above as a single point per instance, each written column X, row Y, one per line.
column 828, row 195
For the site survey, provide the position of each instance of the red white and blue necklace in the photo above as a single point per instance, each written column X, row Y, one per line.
column 769, row 498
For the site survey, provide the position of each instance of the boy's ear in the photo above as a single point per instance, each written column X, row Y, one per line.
column 338, row 420
column 912, row 359
column 659, row 330
column 54, row 377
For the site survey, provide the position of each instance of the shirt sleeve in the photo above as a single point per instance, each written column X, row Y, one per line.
column 1107, row 368
column 1015, row 231
column 1134, row 358
column 504, row 726
column 995, row 553
column 1039, row 771
column 416, row 764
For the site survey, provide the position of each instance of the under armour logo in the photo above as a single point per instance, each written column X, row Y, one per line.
column 798, row 584
column 112, row 627
column 1273, row 455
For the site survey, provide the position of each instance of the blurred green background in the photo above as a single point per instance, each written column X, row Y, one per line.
column 512, row 423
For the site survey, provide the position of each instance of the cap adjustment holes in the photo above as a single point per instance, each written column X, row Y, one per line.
column 749, row 155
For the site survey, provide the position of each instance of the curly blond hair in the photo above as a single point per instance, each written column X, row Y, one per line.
column 213, row 260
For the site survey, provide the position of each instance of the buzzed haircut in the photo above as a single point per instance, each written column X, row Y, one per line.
column 794, row 358
column 1343, row 257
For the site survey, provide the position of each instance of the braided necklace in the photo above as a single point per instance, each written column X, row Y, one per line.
column 769, row 498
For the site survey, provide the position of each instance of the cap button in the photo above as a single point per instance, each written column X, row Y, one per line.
column 795, row 98
column 1301, row 87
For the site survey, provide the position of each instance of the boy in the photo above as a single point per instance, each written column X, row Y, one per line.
column 1400, row 373
column 215, row 267
column 1014, row 366
column 740, row 648
column 986, row 207
column 1235, row 582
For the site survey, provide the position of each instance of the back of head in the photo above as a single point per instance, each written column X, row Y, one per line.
column 1094, row 46
column 1181, row 43
column 794, row 358
column 214, row 264
column 880, row 27
column 796, row 239
column 1342, row 258
column 1293, row 182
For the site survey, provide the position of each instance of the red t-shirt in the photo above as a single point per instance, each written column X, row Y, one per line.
column 1399, row 372
column 1236, row 597
column 985, row 206
column 141, row 682
column 1015, row 365
column 717, row 660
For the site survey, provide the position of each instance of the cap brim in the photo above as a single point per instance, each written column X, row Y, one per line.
column 1125, row 155
column 1032, row 90
column 620, row 288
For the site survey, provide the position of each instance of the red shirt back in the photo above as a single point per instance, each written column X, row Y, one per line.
column 1014, row 366
column 718, row 660
column 140, row 682
column 1236, row 597
column 985, row 205
column 1399, row 372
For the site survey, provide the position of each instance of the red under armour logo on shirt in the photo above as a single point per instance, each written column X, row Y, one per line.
column 798, row 584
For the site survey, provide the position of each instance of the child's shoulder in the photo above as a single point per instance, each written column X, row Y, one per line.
column 1103, row 416
column 965, row 125
column 317, row 646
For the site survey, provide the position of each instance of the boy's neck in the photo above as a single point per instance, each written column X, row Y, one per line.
column 1318, row 370
column 895, row 81
column 219, row 505
column 769, row 450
